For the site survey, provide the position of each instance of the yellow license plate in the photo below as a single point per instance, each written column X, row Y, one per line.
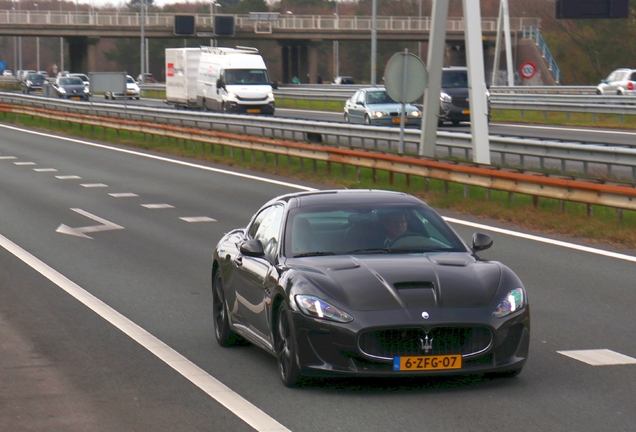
column 397, row 120
column 38, row 90
column 466, row 112
column 417, row 363
column 75, row 97
column 253, row 111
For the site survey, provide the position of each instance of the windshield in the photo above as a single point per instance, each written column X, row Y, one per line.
column 246, row 76
column 372, row 229
column 378, row 97
column 454, row 79
column 36, row 77
column 71, row 81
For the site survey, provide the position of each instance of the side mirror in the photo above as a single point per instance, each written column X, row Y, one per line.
column 274, row 85
column 252, row 247
column 481, row 242
column 220, row 84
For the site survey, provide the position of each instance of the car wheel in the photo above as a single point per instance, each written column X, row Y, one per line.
column 224, row 335
column 286, row 350
column 346, row 118
column 223, row 107
column 367, row 119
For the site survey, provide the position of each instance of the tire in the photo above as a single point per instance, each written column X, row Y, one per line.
column 367, row 120
column 346, row 118
column 223, row 107
column 106, row 96
column 224, row 334
column 286, row 349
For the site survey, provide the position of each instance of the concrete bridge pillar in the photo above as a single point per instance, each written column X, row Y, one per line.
column 300, row 59
column 82, row 53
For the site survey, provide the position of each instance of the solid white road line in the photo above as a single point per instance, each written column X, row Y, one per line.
column 240, row 407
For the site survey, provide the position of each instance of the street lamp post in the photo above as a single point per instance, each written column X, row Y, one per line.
column 336, row 47
column 419, row 27
column 37, row 42
column 213, row 6
column 143, row 42
column 374, row 41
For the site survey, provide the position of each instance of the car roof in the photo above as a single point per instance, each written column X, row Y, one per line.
column 346, row 196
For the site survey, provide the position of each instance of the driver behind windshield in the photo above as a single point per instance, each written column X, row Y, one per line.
column 395, row 224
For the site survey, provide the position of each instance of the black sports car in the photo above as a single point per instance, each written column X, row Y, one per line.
column 366, row 282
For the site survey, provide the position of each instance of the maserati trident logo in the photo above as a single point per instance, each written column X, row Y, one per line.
column 426, row 344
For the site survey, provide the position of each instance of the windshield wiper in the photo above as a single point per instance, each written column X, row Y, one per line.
column 308, row 254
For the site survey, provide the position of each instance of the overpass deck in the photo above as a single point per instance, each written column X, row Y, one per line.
column 161, row 25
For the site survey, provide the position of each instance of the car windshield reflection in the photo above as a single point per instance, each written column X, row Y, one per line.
column 367, row 231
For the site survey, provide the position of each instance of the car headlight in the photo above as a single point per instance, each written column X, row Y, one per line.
column 318, row 308
column 61, row 90
column 514, row 301
column 445, row 98
column 415, row 113
column 270, row 95
column 378, row 114
column 231, row 96
column 29, row 83
column 86, row 90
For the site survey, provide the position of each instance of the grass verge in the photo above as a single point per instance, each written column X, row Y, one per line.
column 605, row 225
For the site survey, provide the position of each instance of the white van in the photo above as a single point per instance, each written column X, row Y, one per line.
column 234, row 80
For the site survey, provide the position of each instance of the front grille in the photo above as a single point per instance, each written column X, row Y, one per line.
column 244, row 99
column 460, row 102
column 389, row 343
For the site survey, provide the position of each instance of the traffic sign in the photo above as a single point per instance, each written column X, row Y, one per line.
column 405, row 77
column 528, row 70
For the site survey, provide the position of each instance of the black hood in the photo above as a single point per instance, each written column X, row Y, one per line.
column 381, row 282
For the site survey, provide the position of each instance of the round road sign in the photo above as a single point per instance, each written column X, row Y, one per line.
column 401, row 66
column 528, row 70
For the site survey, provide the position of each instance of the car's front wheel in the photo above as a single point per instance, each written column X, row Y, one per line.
column 367, row 119
column 346, row 118
column 224, row 334
column 286, row 349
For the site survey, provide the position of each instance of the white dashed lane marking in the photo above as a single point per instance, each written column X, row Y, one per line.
column 599, row 357
column 7, row 157
column 24, row 163
column 123, row 195
column 198, row 219
column 68, row 177
column 44, row 170
column 94, row 185
column 157, row 206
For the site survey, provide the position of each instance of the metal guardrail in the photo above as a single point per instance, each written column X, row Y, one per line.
column 602, row 160
column 617, row 196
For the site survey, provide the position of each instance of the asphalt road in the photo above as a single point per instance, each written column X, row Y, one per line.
column 114, row 332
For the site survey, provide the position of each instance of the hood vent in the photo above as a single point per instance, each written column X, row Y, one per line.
column 414, row 285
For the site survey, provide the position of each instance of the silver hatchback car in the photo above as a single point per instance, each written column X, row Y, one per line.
column 621, row 82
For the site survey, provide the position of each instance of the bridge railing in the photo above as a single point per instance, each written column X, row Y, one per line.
column 284, row 22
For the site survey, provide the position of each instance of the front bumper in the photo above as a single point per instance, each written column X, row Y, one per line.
column 255, row 108
column 335, row 349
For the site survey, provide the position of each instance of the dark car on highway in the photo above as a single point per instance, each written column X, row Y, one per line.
column 69, row 87
column 33, row 83
column 366, row 283
column 454, row 101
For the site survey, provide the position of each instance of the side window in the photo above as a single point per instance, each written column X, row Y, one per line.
column 257, row 223
column 633, row 77
column 268, row 230
column 360, row 99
